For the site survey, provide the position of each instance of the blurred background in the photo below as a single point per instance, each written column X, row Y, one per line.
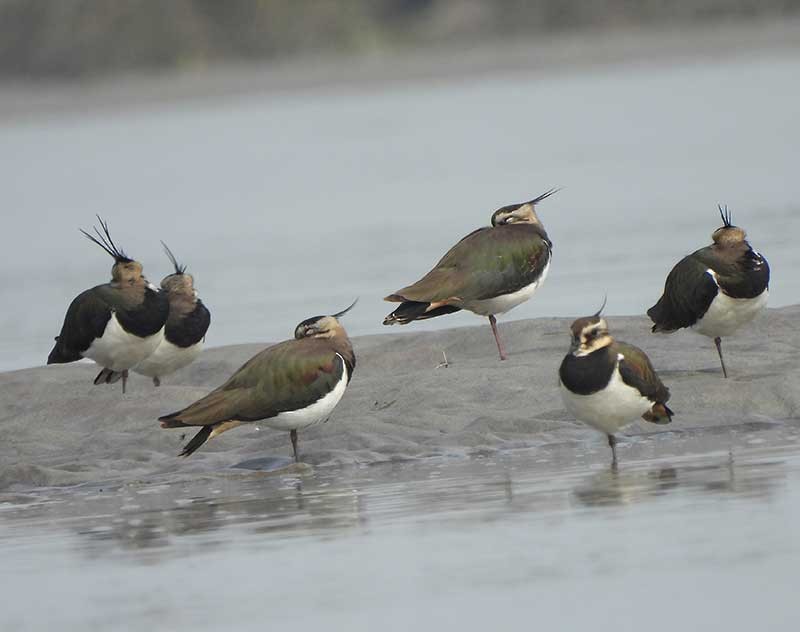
column 296, row 155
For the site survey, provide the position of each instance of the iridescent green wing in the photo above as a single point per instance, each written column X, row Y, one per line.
column 288, row 376
column 486, row 263
column 688, row 293
column 637, row 371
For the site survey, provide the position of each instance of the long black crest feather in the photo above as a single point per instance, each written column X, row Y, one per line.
column 345, row 310
column 544, row 195
column 179, row 269
column 106, row 243
column 725, row 214
column 602, row 307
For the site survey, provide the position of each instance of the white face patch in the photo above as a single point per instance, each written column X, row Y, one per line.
column 593, row 337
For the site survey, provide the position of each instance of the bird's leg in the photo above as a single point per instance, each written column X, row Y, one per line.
column 293, row 437
column 156, row 381
column 718, row 342
column 124, row 380
column 493, row 322
column 612, row 443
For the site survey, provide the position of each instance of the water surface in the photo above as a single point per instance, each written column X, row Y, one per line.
column 289, row 205
column 698, row 542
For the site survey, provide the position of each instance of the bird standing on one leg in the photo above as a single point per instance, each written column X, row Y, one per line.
column 715, row 290
column 117, row 324
column 488, row 272
column 186, row 326
column 288, row 386
column 608, row 384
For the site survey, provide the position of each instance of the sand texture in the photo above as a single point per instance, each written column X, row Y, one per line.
column 60, row 429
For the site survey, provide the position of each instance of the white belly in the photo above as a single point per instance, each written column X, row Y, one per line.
column 506, row 302
column 725, row 314
column 168, row 358
column 118, row 350
column 315, row 413
column 608, row 410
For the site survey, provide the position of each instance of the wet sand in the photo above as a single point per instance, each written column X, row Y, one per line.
column 60, row 429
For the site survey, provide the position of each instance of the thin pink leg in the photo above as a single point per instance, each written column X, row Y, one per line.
column 493, row 322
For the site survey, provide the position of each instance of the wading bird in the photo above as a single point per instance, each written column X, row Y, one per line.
column 714, row 290
column 186, row 326
column 608, row 384
column 488, row 272
column 117, row 324
column 289, row 386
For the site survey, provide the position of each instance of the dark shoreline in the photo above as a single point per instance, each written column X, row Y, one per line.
column 22, row 100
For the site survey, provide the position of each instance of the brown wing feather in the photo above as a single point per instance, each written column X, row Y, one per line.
column 286, row 376
column 637, row 371
column 488, row 262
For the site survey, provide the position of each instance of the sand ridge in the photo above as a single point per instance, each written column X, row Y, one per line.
column 60, row 429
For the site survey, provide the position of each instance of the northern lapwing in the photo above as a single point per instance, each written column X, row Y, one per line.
column 117, row 324
column 488, row 272
column 186, row 326
column 608, row 384
column 715, row 290
column 289, row 386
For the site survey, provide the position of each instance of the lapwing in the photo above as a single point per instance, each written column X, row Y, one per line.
column 715, row 290
column 186, row 326
column 289, row 386
column 609, row 384
column 117, row 324
column 488, row 272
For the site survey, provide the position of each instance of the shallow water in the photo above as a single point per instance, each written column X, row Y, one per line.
column 698, row 542
column 290, row 205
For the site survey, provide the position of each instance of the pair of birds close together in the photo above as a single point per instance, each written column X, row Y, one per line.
column 128, row 324
column 605, row 383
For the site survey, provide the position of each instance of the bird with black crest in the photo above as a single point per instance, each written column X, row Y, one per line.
column 488, row 272
column 186, row 326
column 715, row 290
column 116, row 324
column 608, row 384
column 289, row 386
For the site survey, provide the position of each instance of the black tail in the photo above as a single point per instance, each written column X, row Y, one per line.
column 199, row 439
column 413, row 310
column 659, row 318
column 107, row 376
column 62, row 355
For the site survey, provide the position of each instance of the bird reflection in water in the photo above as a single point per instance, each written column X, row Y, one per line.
column 627, row 486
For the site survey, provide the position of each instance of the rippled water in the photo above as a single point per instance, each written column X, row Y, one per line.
column 701, row 542
column 285, row 206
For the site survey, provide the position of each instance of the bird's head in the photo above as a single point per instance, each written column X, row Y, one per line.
column 322, row 326
column 522, row 213
column 590, row 333
column 728, row 235
column 179, row 282
column 125, row 270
